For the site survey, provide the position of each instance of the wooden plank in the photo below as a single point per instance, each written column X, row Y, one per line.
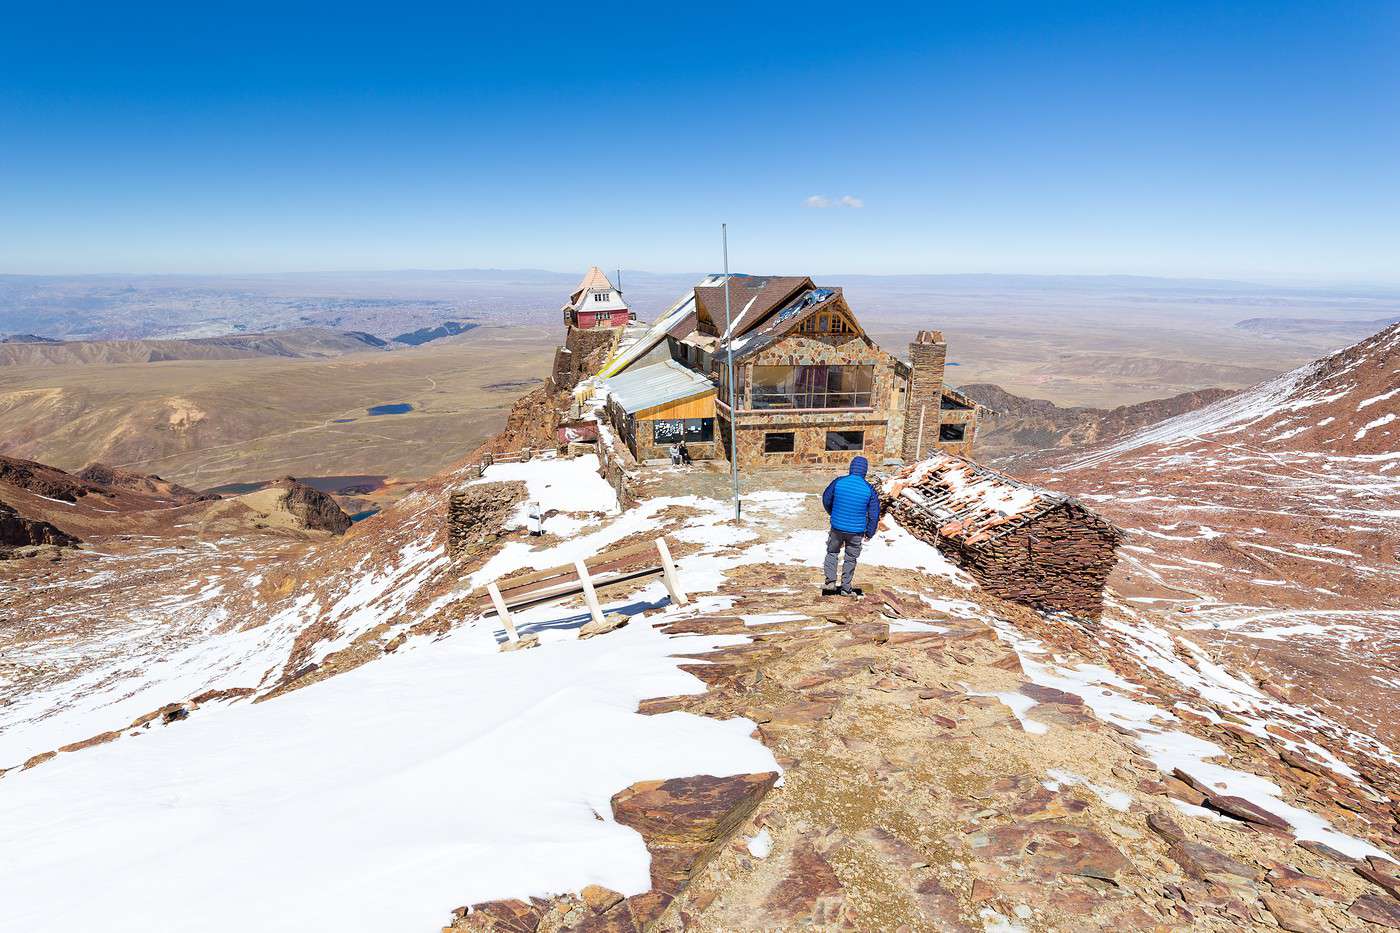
column 610, row 560
column 502, row 611
column 590, row 596
column 668, row 567
column 556, row 594
column 538, row 576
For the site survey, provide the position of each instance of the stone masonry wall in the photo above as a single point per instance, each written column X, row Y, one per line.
column 584, row 352
column 962, row 448
column 618, row 467
column 927, row 358
column 476, row 514
column 1058, row 562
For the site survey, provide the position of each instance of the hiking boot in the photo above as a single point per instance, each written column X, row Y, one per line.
column 845, row 591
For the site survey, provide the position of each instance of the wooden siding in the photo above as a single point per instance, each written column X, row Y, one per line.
column 700, row 406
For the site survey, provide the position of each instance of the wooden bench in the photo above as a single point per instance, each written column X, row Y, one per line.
column 586, row 578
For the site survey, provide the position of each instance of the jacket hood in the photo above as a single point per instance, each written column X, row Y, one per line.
column 860, row 466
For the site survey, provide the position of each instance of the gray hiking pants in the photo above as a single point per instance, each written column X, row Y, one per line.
column 852, row 542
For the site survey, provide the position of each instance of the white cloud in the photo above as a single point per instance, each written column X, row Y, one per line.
column 821, row 200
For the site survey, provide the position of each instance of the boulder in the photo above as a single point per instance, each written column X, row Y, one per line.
column 1245, row 810
column 16, row 531
column 316, row 510
column 1378, row 909
column 611, row 622
column 684, row 821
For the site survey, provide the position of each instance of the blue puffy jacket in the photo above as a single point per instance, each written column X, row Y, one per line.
column 852, row 503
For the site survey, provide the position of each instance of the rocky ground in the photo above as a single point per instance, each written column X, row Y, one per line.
column 930, row 783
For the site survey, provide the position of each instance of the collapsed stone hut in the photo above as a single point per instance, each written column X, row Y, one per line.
column 1020, row 542
column 477, row 513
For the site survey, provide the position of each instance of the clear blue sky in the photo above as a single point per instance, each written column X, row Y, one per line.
column 1247, row 139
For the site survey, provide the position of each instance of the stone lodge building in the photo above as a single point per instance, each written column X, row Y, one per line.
column 812, row 387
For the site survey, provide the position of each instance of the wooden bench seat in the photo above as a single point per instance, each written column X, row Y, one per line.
column 585, row 578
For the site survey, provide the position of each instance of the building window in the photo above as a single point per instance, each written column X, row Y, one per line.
column 813, row 386
column 692, row 430
column 952, row 432
column 600, row 296
column 833, row 323
column 782, row 442
column 845, row 440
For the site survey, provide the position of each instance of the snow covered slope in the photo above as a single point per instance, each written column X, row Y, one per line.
column 1346, row 405
column 1269, row 523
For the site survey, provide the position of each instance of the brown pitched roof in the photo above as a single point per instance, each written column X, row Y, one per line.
column 788, row 316
column 760, row 294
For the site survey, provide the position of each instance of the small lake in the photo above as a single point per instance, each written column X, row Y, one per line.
column 395, row 408
column 361, row 516
column 344, row 485
column 236, row 489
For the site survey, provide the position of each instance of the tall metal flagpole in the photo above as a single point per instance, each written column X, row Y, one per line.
column 733, row 387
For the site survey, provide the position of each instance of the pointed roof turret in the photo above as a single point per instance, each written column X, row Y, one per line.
column 593, row 279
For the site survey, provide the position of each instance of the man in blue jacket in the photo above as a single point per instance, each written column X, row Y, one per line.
column 854, row 508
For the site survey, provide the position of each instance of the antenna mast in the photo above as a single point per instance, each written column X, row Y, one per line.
column 733, row 388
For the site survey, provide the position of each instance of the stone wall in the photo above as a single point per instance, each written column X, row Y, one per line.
column 476, row 514
column 965, row 417
column 1058, row 561
column 584, row 352
column 927, row 357
column 618, row 467
column 810, row 439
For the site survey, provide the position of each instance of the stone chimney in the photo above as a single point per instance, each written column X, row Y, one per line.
column 926, row 359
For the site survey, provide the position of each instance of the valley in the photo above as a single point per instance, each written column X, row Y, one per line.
column 209, row 422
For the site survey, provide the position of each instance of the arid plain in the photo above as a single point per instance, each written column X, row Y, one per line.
column 206, row 423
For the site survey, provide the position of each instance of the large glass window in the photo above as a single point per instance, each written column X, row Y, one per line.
column 813, row 386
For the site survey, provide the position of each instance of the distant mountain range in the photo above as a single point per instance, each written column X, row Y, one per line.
column 1016, row 425
column 1285, row 327
column 425, row 334
column 305, row 342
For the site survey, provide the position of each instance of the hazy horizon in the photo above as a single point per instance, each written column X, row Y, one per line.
column 1296, row 282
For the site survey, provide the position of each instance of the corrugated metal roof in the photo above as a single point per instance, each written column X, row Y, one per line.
column 657, row 384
